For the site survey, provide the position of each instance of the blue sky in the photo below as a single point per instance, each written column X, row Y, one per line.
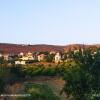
column 58, row 22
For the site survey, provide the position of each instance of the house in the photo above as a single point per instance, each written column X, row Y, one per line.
column 24, row 58
column 57, row 58
column 52, row 52
column 76, row 51
column 28, row 56
column 1, row 55
column 6, row 56
column 20, row 62
column 21, row 54
column 41, row 57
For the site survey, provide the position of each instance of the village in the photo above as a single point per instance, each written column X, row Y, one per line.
column 29, row 57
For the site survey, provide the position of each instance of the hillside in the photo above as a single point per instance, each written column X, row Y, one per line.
column 17, row 48
column 78, row 46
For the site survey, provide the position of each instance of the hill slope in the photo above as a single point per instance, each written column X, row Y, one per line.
column 17, row 48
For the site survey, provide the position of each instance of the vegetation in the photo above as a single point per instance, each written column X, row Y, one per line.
column 38, row 92
column 3, row 71
column 33, row 70
column 82, row 75
column 2, row 84
column 50, row 58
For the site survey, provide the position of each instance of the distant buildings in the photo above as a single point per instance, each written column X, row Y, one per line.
column 23, row 58
column 29, row 57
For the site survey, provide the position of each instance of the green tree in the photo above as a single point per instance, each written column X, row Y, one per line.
column 50, row 57
column 82, row 75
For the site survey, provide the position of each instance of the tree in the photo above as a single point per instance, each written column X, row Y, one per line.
column 2, row 84
column 82, row 75
column 50, row 57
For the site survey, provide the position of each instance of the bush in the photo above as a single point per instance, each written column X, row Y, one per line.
column 39, row 92
column 29, row 70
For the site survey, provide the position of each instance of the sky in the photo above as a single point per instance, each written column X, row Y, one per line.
column 57, row 22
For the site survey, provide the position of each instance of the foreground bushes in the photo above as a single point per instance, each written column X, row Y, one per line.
column 29, row 70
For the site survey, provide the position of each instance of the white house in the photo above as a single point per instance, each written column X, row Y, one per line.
column 21, row 54
column 20, row 62
column 57, row 58
column 76, row 51
column 1, row 55
column 52, row 52
column 28, row 56
column 6, row 56
column 41, row 57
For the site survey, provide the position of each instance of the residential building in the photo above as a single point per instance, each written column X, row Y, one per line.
column 6, row 56
column 21, row 54
column 57, row 58
column 52, row 52
column 20, row 62
column 41, row 57
column 1, row 55
column 28, row 56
